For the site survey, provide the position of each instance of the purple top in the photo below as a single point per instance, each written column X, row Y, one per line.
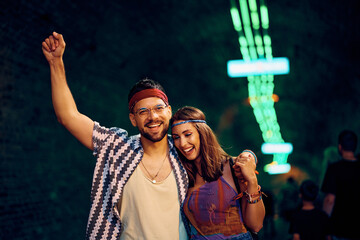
column 213, row 212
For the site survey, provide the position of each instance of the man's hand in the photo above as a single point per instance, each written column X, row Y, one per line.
column 53, row 47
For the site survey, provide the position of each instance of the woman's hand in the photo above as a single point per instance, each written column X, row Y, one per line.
column 244, row 167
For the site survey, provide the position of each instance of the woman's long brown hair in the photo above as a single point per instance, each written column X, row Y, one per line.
column 211, row 152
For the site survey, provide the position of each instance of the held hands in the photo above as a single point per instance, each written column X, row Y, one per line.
column 53, row 47
column 245, row 167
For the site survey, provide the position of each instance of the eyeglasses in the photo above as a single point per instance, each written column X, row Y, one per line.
column 145, row 112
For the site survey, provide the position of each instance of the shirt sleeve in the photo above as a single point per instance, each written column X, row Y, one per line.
column 101, row 135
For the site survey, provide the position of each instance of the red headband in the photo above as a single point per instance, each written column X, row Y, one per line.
column 152, row 92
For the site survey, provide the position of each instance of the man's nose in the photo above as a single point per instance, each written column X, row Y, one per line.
column 152, row 114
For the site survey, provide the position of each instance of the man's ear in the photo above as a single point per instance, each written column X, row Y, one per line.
column 170, row 110
column 132, row 119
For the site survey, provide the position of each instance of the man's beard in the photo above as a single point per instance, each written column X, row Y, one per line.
column 152, row 138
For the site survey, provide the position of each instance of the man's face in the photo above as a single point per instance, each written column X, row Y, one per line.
column 151, row 116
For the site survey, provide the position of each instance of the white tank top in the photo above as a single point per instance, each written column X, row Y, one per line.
column 150, row 211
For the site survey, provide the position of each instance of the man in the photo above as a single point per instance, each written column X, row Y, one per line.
column 340, row 188
column 138, row 183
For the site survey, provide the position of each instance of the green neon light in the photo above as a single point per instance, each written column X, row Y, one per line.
column 252, row 5
column 242, row 41
column 258, row 40
column 280, row 158
column 254, row 15
column 236, row 18
column 255, row 21
column 249, row 36
column 246, row 20
column 256, row 44
column 256, row 26
column 268, row 52
column 260, row 51
column 253, row 52
column 267, row 40
column 245, row 53
column 264, row 17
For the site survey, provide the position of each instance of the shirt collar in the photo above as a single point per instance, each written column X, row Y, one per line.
column 137, row 143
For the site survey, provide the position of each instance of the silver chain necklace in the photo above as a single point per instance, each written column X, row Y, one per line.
column 153, row 178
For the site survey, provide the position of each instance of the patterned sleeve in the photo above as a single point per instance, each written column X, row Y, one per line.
column 100, row 134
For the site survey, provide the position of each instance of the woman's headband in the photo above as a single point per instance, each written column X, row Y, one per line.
column 196, row 121
column 151, row 92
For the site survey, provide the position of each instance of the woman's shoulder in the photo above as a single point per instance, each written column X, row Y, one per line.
column 227, row 159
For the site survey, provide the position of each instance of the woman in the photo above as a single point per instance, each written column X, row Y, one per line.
column 211, row 204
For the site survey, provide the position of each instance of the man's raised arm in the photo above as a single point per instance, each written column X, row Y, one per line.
column 65, row 108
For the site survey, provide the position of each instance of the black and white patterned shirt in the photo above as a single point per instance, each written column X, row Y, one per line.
column 117, row 157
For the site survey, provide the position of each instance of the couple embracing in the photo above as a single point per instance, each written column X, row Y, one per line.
column 156, row 186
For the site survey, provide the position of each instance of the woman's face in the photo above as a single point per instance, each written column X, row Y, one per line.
column 186, row 140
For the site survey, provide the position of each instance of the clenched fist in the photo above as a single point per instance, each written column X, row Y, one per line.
column 53, row 47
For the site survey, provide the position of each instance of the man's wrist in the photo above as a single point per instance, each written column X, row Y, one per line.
column 56, row 62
